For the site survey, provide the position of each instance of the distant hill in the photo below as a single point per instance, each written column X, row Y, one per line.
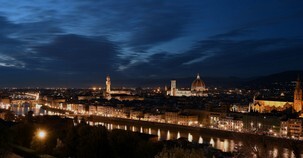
column 225, row 82
column 283, row 77
column 186, row 82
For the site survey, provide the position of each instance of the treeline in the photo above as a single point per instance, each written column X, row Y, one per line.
column 65, row 139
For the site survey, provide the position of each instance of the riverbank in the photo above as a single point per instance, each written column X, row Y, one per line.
column 207, row 133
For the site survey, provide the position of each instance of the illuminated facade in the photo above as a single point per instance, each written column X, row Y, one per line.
column 292, row 128
column 298, row 96
column 120, row 94
column 173, row 88
column 264, row 106
column 198, row 86
column 230, row 123
column 197, row 89
column 108, row 84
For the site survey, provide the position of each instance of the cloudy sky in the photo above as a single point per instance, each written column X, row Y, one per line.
column 77, row 43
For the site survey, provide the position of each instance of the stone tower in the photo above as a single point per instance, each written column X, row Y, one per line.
column 108, row 83
column 173, row 88
column 298, row 96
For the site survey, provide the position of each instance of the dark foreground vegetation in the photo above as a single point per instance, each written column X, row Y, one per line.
column 65, row 139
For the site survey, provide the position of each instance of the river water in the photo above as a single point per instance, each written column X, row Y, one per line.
column 164, row 134
column 226, row 145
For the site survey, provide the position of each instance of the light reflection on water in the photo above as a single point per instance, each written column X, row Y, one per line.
column 168, row 135
column 149, row 131
column 212, row 142
column 178, row 135
column 24, row 110
column 159, row 134
column 200, row 140
column 225, row 145
column 190, row 137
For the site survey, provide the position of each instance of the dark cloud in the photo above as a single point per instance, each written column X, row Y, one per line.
column 227, row 57
column 38, row 51
column 6, row 26
column 145, row 23
column 78, row 54
column 163, row 25
column 233, row 33
column 78, row 42
column 70, row 60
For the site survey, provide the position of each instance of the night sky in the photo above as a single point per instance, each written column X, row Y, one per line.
column 77, row 43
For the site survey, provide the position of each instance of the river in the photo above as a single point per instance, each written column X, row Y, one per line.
column 163, row 133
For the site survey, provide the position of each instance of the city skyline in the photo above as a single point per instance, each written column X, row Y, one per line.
column 77, row 43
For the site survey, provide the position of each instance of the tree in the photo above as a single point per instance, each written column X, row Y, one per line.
column 29, row 116
column 86, row 141
column 178, row 152
column 9, row 116
column 5, row 140
column 132, row 144
column 23, row 134
column 71, row 141
column 93, row 139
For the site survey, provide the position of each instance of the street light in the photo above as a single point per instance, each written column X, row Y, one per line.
column 41, row 134
column 259, row 125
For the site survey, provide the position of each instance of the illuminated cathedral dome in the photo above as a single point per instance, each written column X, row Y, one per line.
column 198, row 84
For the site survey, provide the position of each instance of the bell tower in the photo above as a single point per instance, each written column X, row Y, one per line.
column 173, row 88
column 298, row 96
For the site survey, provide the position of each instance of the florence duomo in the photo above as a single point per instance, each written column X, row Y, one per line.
column 197, row 88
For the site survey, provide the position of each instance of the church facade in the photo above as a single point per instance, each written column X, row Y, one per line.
column 266, row 106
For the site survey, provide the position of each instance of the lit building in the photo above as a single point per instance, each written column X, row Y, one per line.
column 79, row 108
column 171, row 117
column 173, row 88
column 265, row 106
column 120, row 94
column 187, row 119
column 92, row 110
column 107, row 91
column 214, row 118
column 283, row 128
column 105, row 111
column 153, row 117
column 136, row 115
column 298, row 96
column 197, row 89
column 239, row 108
column 292, row 128
column 230, row 123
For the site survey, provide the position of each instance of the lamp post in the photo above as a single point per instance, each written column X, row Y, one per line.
column 41, row 135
